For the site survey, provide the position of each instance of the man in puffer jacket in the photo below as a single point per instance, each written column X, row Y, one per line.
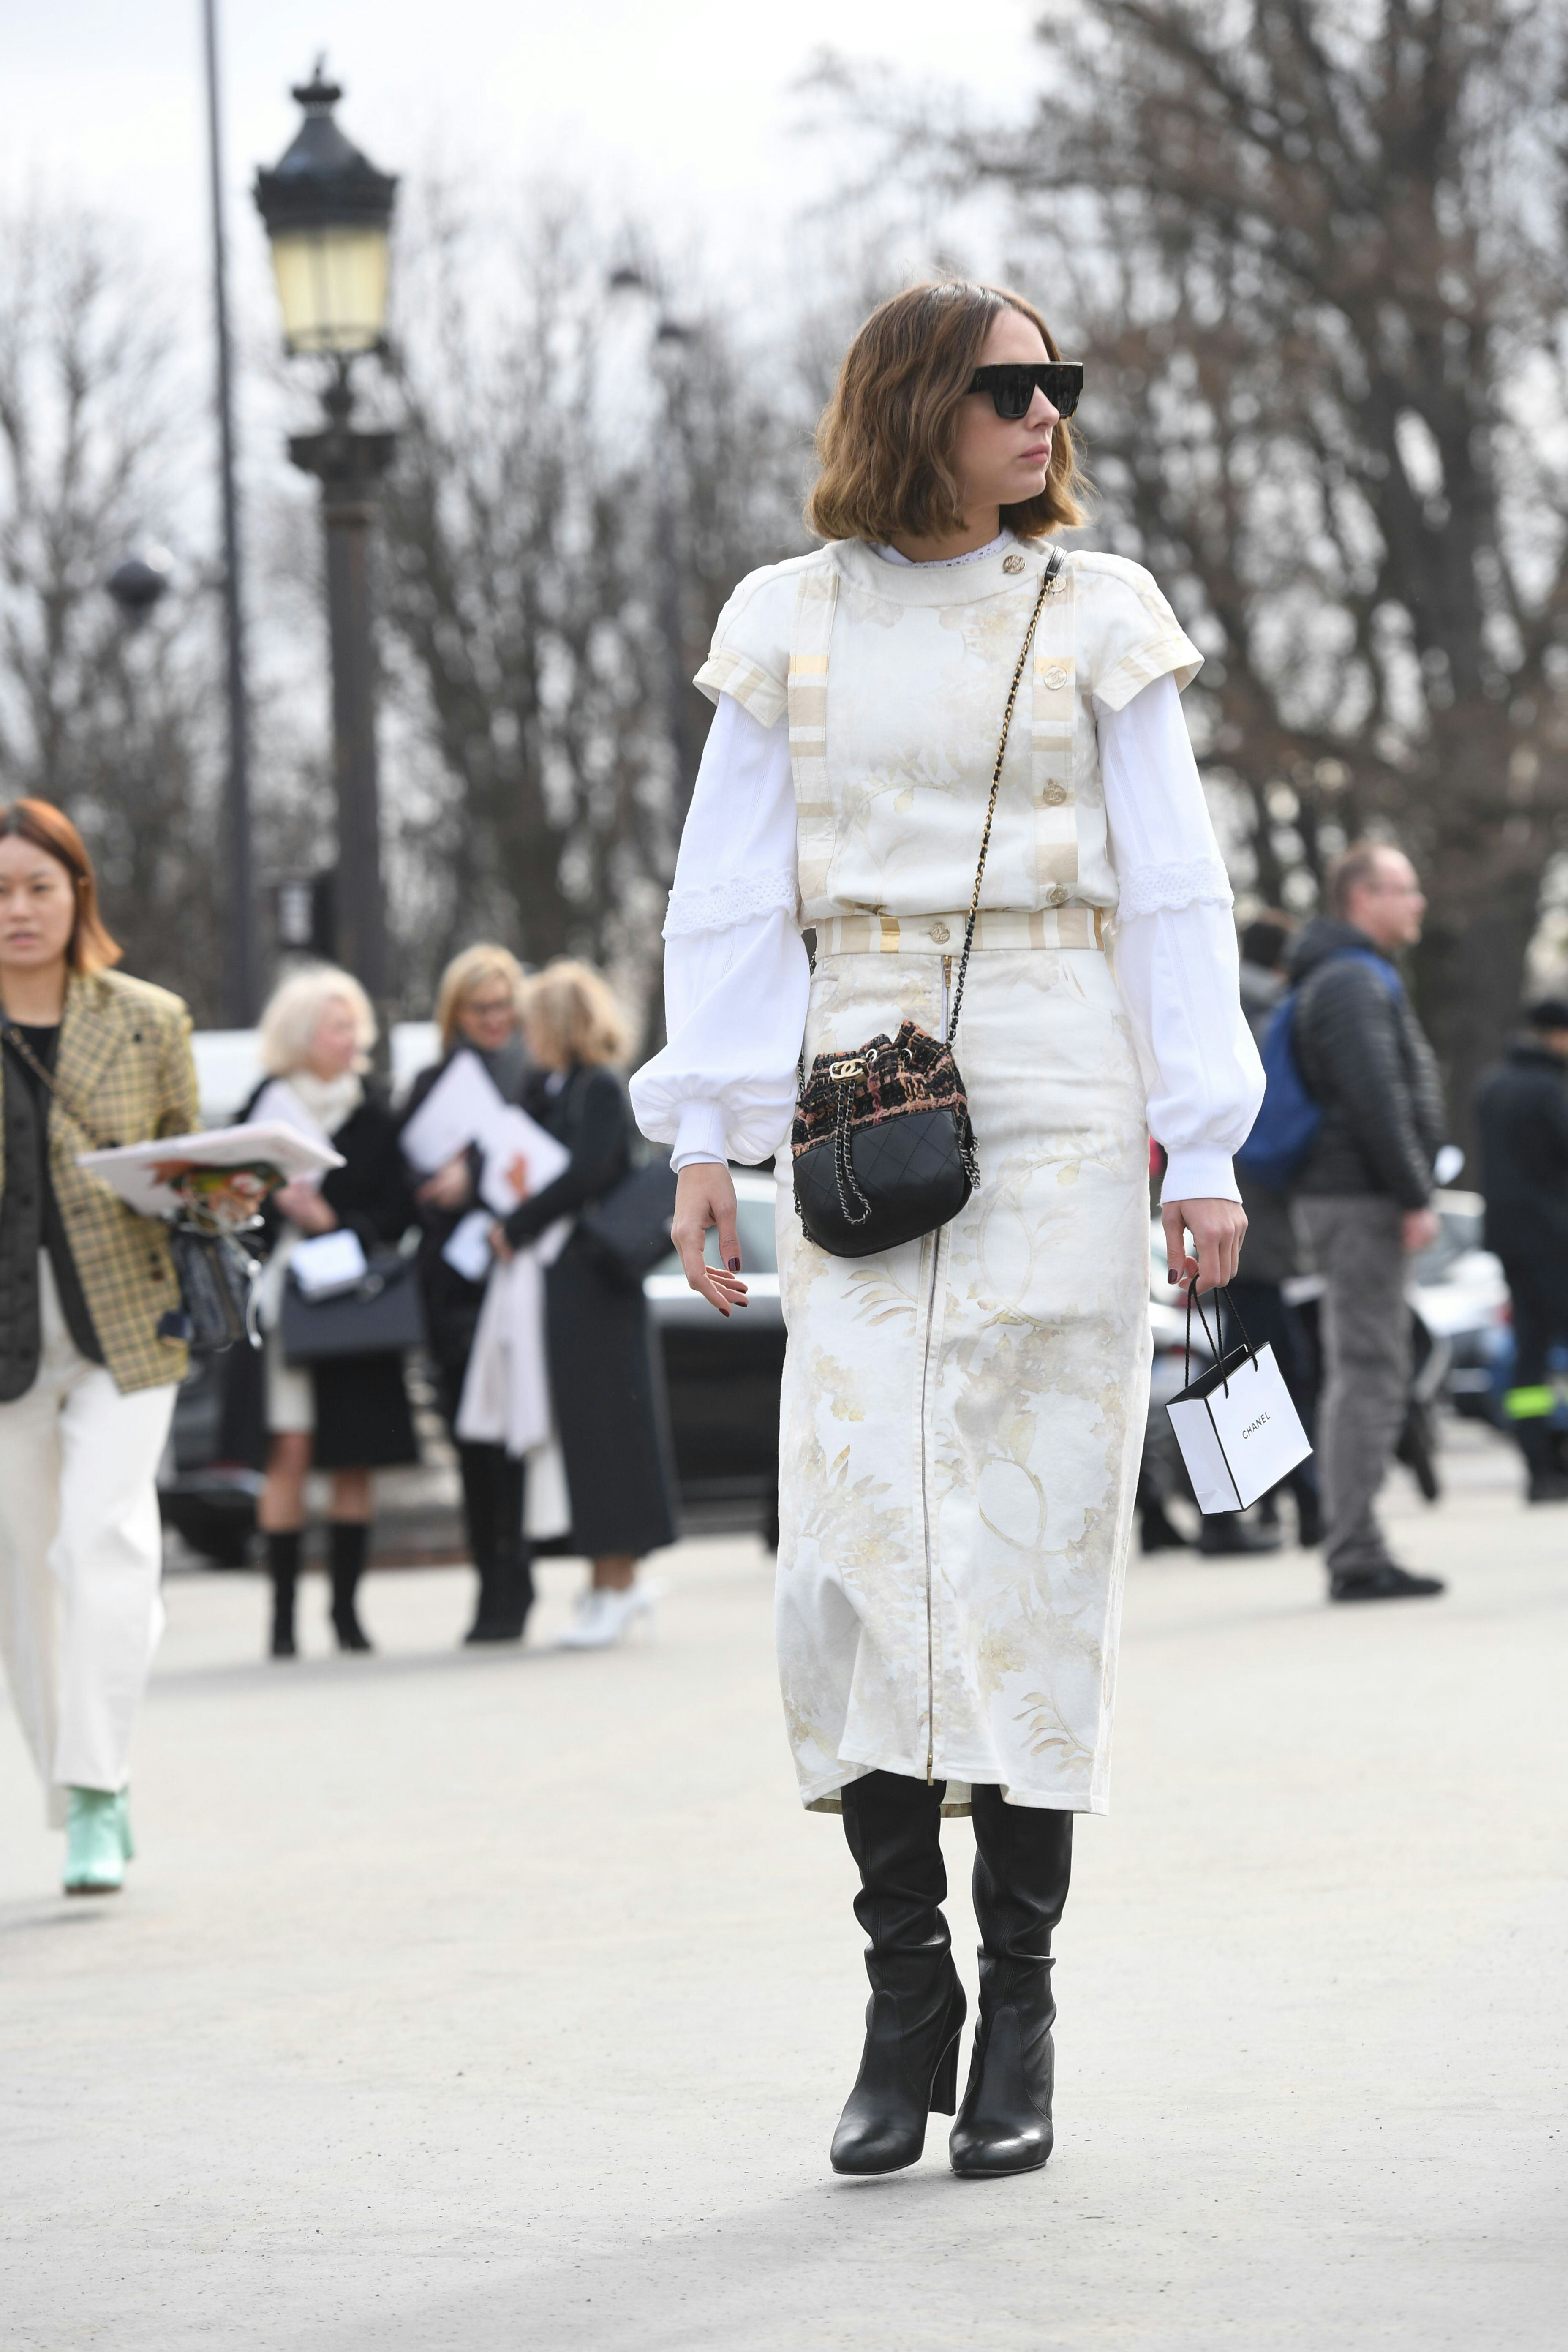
column 1364, row 1195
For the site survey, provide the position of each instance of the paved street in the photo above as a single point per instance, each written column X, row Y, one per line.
column 502, row 2002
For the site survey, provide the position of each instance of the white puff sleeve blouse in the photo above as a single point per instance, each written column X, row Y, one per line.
column 737, row 980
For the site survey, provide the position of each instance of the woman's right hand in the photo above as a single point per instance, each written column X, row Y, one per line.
column 450, row 1187
column 705, row 1196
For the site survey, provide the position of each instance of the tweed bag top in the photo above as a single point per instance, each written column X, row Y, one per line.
column 882, row 1144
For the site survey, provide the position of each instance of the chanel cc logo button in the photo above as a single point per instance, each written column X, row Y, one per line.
column 1057, row 898
column 941, row 934
column 1054, row 796
column 1054, row 679
column 1014, row 563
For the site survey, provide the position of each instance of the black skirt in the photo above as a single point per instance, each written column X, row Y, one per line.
column 608, row 1394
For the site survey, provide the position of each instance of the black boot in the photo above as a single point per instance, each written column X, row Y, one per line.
column 283, row 1565
column 492, row 1495
column 1023, row 1860
column 915, row 2015
column 350, row 1542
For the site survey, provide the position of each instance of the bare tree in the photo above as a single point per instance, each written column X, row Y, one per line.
column 114, row 728
column 1315, row 253
column 562, row 528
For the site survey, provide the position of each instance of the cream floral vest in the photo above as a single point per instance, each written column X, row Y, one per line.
column 895, row 680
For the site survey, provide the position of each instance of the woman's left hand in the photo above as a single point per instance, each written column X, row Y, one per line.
column 303, row 1206
column 500, row 1244
column 1217, row 1228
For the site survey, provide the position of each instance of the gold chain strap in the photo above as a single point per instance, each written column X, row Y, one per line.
column 1053, row 566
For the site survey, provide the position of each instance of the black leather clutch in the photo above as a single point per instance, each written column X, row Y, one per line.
column 628, row 1231
column 381, row 1316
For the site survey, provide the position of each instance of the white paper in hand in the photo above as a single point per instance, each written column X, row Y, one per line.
column 329, row 1265
column 520, row 1157
column 461, row 1108
column 468, row 1250
column 147, row 1176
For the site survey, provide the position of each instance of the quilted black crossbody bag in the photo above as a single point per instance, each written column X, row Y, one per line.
column 883, row 1148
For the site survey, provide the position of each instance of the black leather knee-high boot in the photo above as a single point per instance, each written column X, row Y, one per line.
column 283, row 1567
column 915, row 2015
column 493, row 1485
column 349, row 1541
column 1023, row 1861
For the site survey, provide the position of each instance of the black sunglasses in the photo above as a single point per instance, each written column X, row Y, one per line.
column 1012, row 388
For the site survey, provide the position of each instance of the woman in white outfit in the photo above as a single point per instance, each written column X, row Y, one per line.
column 91, row 1334
column 961, row 1416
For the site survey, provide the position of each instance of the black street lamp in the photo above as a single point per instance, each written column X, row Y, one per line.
column 328, row 212
column 668, row 357
column 140, row 582
column 241, row 958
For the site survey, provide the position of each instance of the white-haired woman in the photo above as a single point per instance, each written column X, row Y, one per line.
column 478, row 1010
column 316, row 1036
column 603, row 1378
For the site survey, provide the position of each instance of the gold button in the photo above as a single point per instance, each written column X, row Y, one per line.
column 1054, row 796
column 1014, row 563
column 941, row 933
column 1057, row 898
column 1054, row 679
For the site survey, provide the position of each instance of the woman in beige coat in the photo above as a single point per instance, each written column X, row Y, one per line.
column 91, row 1347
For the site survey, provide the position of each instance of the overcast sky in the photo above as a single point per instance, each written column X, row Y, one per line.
column 687, row 106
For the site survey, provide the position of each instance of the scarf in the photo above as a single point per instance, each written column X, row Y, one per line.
column 330, row 1102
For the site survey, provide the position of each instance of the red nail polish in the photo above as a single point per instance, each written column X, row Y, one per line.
column 734, row 1263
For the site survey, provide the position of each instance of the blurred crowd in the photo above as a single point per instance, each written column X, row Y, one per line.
column 495, row 1227
column 1340, row 1180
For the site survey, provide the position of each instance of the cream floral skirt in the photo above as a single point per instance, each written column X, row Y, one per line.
column 962, row 1417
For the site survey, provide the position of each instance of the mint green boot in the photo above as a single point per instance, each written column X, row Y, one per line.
column 98, row 1841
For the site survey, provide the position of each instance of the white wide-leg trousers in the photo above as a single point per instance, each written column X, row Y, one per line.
column 81, row 1556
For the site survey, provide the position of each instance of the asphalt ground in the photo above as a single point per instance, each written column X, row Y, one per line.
column 489, row 2001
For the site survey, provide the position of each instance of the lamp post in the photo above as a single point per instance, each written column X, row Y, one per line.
column 328, row 214
column 241, row 970
column 669, row 354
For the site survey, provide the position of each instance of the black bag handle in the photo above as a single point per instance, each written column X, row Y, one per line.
column 1220, row 1291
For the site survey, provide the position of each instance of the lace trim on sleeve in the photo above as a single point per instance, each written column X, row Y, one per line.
column 1160, row 890
column 720, row 908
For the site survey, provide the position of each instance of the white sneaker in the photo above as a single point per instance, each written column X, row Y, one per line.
column 602, row 1618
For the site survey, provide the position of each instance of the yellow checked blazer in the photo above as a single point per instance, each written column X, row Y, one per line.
column 123, row 1074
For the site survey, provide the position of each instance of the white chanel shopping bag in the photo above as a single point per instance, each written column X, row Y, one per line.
column 1237, row 1429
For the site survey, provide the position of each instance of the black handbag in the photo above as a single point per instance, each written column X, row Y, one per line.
column 217, row 1281
column 628, row 1231
column 216, row 1276
column 382, row 1315
column 883, row 1148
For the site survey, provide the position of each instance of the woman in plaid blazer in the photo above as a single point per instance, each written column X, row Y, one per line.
column 90, row 1345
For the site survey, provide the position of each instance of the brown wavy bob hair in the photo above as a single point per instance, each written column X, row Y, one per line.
column 48, row 828
column 886, row 439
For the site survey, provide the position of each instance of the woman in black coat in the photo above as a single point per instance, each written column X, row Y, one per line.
column 353, row 1416
column 478, row 1007
column 605, row 1386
